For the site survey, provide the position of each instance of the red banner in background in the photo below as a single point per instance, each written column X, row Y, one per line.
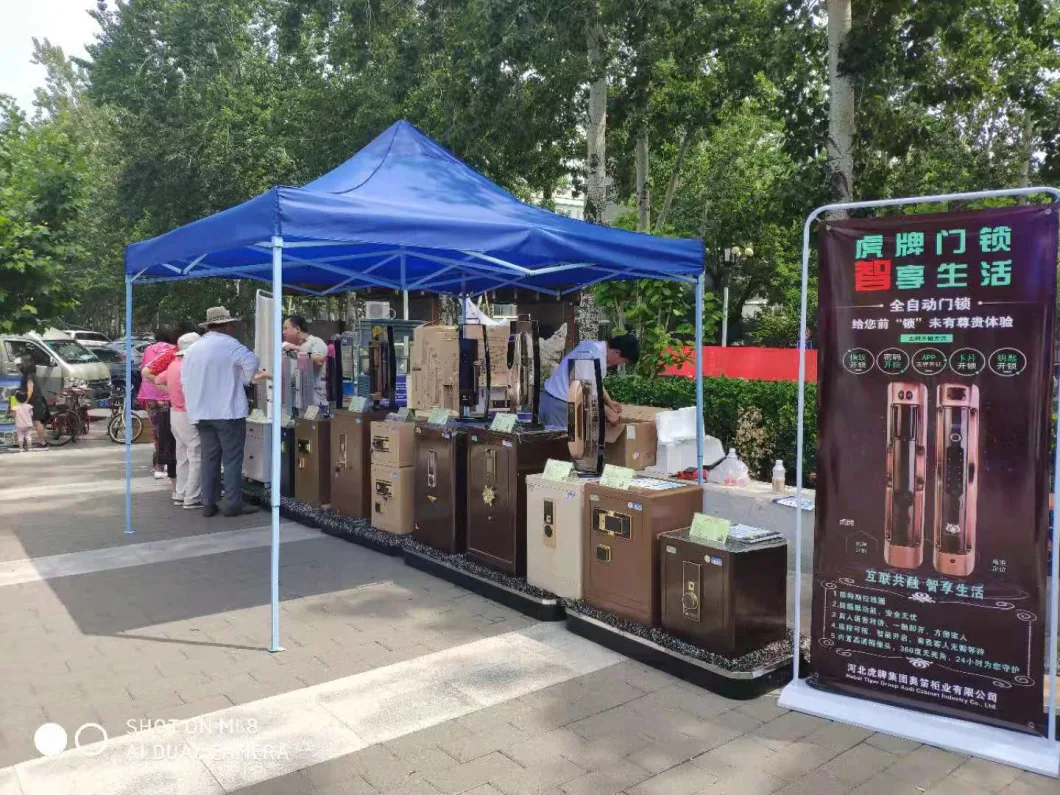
column 930, row 545
column 754, row 364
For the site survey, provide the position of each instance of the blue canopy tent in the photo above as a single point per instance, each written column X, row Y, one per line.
column 403, row 213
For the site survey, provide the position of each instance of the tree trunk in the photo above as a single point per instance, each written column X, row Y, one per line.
column 671, row 188
column 841, row 106
column 596, row 134
column 643, row 181
column 1028, row 154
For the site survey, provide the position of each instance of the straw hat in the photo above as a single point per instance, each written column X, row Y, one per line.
column 219, row 315
column 185, row 342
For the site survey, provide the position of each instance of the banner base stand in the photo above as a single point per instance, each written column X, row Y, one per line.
column 1036, row 754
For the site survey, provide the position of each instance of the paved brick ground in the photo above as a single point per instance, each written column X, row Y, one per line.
column 185, row 637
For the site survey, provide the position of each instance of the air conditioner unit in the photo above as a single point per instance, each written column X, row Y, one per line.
column 505, row 311
column 377, row 310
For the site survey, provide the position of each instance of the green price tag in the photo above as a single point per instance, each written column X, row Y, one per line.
column 438, row 417
column 557, row 470
column 709, row 528
column 405, row 414
column 616, row 477
column 357, row 404
column 503, row 422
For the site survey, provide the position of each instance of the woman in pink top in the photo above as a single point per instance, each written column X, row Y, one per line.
column 188, row 492
column 156, row 402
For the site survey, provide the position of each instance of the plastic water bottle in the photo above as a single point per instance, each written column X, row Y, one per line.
column 779, row 485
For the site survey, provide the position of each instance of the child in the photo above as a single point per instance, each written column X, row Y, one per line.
column 23, row 412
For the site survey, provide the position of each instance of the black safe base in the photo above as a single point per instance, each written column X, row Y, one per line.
column 749, row 677
column 493, row 585
column 356, row 531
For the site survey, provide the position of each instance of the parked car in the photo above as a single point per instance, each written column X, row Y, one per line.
column 90, row 339
column 140, row 344
column 114, row 360
column 61, row 364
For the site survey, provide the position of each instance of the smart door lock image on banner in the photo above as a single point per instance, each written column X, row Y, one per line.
column 956, row 486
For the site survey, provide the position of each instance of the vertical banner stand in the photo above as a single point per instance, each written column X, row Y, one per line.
column 1036, row 754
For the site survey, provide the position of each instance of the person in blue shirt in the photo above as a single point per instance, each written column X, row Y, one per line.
column 552, row 409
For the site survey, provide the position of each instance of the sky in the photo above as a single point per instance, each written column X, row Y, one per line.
column 63, row 22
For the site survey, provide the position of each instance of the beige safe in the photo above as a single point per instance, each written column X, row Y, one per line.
column 392, row 498
column 555, row 523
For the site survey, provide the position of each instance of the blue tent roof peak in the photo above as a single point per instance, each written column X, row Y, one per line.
column 406, row 213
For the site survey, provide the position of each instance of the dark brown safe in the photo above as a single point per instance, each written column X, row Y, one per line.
column 351, row 458
column 287, row 461
column 620, row 559
column 730, row 600
column 440, row 510
column 312, row 452
column 497, row 466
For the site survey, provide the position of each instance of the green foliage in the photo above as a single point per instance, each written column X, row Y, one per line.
column 41, row 174
column 723, row 400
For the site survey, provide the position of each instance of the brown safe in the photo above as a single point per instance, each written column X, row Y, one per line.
column 440, row 510
column 620, row 559
column 392, row 498
column 729, row 600
column 351, row 458
column 312, row 452
column 393, row 443
column 497, row 466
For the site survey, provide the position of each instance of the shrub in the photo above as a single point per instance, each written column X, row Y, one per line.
column 724, row 399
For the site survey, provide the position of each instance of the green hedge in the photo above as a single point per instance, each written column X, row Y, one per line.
column 723, row 398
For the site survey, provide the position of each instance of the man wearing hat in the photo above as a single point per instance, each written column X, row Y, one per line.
column 215, row 374
column 187, row 493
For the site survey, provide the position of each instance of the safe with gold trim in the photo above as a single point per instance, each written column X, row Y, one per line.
column 312, row 453
column 497, row 466
column 620, row 557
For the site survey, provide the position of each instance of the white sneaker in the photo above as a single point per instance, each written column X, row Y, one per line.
column 177, row 498
column 193, row 506
column 160, row 475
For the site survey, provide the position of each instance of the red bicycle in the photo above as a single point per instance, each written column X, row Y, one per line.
column 69, row 420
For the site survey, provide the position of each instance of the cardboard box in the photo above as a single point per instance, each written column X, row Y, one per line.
column 392, row 498
column 393, row 444
column 631, row 444
column 433, row 379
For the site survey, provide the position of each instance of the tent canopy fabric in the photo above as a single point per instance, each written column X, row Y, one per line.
column 405, row 213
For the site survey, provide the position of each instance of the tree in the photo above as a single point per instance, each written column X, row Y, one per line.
column 840, row 105
column 41, row 177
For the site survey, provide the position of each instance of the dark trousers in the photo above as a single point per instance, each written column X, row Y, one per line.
column 222, row 441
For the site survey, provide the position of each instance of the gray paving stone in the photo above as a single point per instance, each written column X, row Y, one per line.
column 816, row 783
column 764, row 708
column 472, row 774
column 350, row 786
column 796, row 760
column 838, row 737
column 989, row 776
column 668, row 752
column 894, row 745
column 607, row 781
column 926, row 766
column 538, row 778
column 787, row 728
column 859, row 763
column 684, row 779
column 746, row 782
column 495, row 739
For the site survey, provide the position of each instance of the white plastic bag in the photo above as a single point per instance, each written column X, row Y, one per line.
column 676, row 426
column 730, row 472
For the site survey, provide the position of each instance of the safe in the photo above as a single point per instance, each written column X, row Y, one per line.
column 729, row 600
column 440, row 502
column 287, row 465
column 497, row 466
column 555, row 519
column 620, row 556
column 351, row 454
column 312, row 474
column 393, row 443
column 257, row 452
column 392, row 498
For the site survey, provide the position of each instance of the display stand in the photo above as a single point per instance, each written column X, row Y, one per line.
column 493, row 585
column 737, row 685
column 1037, row 754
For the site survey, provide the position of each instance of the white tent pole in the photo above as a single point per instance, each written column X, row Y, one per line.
column 404, row 289
column 700, row 430
column 277, row 430
column 128, row 404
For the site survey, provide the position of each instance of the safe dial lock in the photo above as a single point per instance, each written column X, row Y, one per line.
column 489, row 496
column 690, row 601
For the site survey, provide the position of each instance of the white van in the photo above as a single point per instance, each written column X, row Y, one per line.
column 61, row 363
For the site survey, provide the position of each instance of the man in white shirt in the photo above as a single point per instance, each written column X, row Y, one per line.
column 552, row 409
column 216, row 372
column 296, row 337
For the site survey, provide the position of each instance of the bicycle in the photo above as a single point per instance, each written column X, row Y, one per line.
column 65, row 424
column 116, row 423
